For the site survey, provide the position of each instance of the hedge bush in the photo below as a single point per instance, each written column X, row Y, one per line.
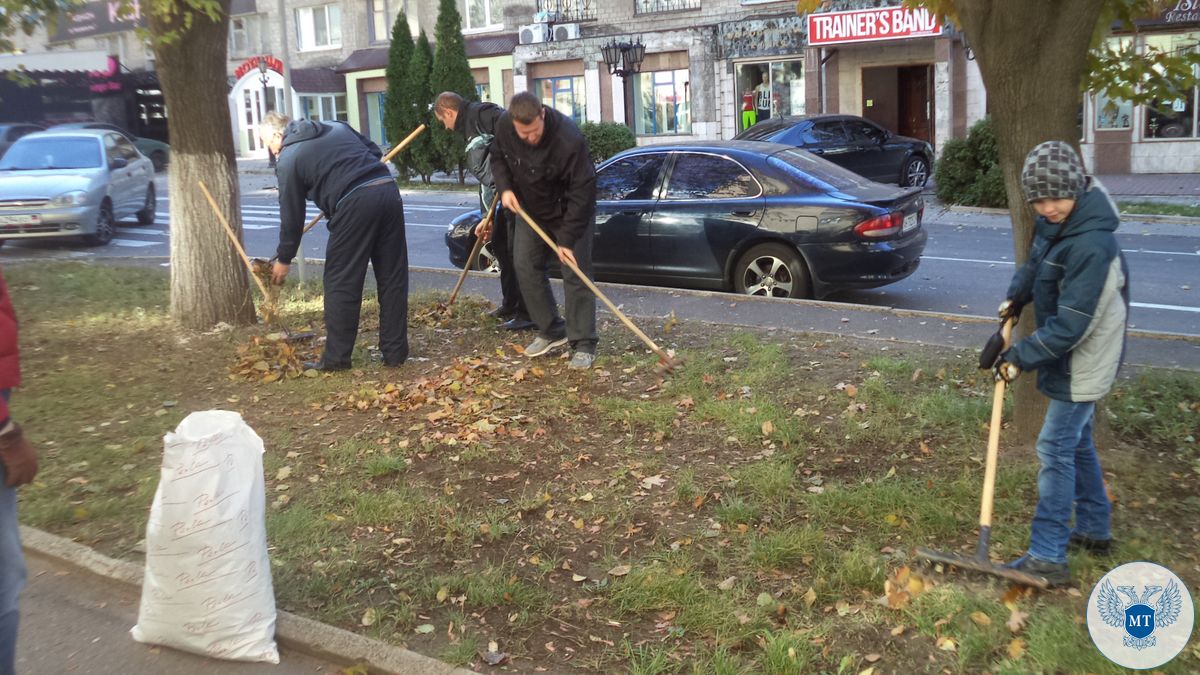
column 606, row 139
column 968, row 172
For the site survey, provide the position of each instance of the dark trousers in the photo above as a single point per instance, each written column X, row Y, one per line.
column 502, row 247
column 531, row 256
column 367, row 227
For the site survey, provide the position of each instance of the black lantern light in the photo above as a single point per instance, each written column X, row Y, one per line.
column 623, row 58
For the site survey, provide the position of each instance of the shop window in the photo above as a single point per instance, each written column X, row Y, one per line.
column 323, row 107
column 319, row 27
column 245, row 36
column 1171, row 116
column 662, row 103
column 1113, row 113
column 564, row 94
column 769, row 89
column 483, row 91
column 483, row 14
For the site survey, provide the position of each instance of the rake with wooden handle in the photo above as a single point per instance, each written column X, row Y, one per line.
column 269, row 312
column 474, row 252
column 666, row 363
column 386, row 158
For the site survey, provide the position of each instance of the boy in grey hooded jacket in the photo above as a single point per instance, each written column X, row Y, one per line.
column 1077, row 280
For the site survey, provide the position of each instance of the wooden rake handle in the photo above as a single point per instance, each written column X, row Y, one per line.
column 386, row 158
column 474, row 252
column 993, row 448
column 233, row 238
column 597, row 292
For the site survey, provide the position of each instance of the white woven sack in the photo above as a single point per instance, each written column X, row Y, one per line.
column 207, row 587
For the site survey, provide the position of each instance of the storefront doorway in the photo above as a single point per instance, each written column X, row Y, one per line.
column 900, row 98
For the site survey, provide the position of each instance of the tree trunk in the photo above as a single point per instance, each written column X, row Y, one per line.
column 1032, row 55
column 209, row 282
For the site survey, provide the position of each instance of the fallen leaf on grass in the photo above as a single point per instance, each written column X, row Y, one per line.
column 1016, row 649
column 767, row 428
column 867, row 671
column 872, row 658
column 981, row 618
column 578, row 578
column 443, row 593
column 898, row 631
column 947, row 644
column 369, row 617
column 842, row 607
column 424, row 629
column 1016, row 620
column 284, row 473
column 653, row 481
column 601, row 640
column 620, row 570
column 810, row 596
column 727, row 584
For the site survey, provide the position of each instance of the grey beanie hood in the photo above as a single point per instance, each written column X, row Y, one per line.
column 1053, row 170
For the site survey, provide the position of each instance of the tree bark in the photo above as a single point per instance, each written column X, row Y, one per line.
column 1032, row 55
column 209, row 282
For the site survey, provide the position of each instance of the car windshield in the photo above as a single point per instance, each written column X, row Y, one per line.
column 808, row 166
column 31, row 154
column 761, row 132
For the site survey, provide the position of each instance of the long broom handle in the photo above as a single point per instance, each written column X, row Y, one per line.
column 993, row 448
column 591, row 286
column 474, row 252
column 233, row 238
column 386, row 158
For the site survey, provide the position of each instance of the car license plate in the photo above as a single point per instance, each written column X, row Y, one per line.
column 19, row 221
column 910, row 222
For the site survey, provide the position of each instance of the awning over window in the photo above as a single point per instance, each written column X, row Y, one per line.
column 74, row 61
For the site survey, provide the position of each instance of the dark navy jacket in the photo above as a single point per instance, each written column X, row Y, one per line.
column 1079, row 284
column 321, row 162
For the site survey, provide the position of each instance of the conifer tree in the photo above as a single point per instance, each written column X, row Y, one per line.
column 417, row 90
column 398, row 112
column 451, row 72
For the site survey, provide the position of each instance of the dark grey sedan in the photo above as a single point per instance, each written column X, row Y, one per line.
column 750, row 217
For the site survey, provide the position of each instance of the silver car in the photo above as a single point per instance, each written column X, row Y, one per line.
column 73, row 183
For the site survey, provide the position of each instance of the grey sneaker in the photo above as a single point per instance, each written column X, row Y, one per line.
column 541, row 345
column 581, row 361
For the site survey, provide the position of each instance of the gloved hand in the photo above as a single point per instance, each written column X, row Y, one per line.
column 1010, row 309
column 1007, row 371
column 17, row 455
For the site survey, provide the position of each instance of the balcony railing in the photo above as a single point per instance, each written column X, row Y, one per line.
column 652, row 6
column 568, row 11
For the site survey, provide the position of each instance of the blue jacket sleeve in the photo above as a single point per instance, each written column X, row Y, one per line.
column 291, row 209
column 1020, row 290
column 1083, row 274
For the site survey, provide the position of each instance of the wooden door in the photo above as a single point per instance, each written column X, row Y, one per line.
column 916, row 102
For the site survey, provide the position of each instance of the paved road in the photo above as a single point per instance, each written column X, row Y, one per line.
column 965, row 270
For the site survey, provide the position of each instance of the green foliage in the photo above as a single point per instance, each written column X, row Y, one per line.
column 606, row 139
column 968, row 172
column 398, row 111
column 417, row 91
column 451, row 72
column 1116, row 69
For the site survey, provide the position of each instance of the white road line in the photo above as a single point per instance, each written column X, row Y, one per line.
column 134, row 243
column 1142, row 250
column 970, row 260
column 1170, row 308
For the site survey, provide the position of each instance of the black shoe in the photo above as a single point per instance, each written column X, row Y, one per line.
column 1055, row 574
column 517, row 323
column 503, row 312
column 323, row 367
column 1095, row 546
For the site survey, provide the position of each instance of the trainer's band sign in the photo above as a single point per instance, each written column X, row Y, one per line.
column 871, row 25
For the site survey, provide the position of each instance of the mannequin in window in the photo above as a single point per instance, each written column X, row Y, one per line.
column 762, row 97
column 749, row 116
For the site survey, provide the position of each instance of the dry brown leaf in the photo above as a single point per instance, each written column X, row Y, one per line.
column 981, row 619
column 851, row 390
column 620, row 570
column 898, row 631
column 1016, row 649
column 767, row 428
column 1016, row 620
column 727, row 584
column 810, row 596
column 947, row 644
column 872, row 658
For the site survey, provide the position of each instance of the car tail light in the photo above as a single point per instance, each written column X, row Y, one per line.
column 880, row 226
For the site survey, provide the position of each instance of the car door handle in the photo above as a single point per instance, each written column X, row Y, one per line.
column 745, row 214
column 817, row 151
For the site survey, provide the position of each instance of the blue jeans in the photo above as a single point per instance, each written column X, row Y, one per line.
column 12, row 571
column 1070, row 479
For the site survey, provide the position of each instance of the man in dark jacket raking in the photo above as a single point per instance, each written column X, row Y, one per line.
column 1078, row 282
column 334, row 166
column 542, row 164
column 476, row 123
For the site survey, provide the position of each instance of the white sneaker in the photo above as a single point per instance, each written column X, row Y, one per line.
column 581, row 360
column 541, row 345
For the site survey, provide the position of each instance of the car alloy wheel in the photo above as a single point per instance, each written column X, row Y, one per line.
column 105, row 227
column 773, row 271
column 486, row 260
column 916, row 172
column 146, row 215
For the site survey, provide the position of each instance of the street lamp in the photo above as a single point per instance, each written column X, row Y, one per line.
column 623, row 58
column 266, row 106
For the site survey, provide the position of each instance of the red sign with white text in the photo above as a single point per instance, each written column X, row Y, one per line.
column 252, row 64
column 871, row 25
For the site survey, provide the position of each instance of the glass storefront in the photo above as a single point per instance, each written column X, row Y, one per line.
column 662, row 103
column 768, row 89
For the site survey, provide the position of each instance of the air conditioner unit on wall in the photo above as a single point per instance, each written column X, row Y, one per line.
column 534, row 32
column 566, row 31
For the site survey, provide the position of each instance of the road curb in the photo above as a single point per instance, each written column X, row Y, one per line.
column 1130, row 217
column 294, row 632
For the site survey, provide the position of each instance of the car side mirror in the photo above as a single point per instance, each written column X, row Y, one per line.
column 118, row 163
